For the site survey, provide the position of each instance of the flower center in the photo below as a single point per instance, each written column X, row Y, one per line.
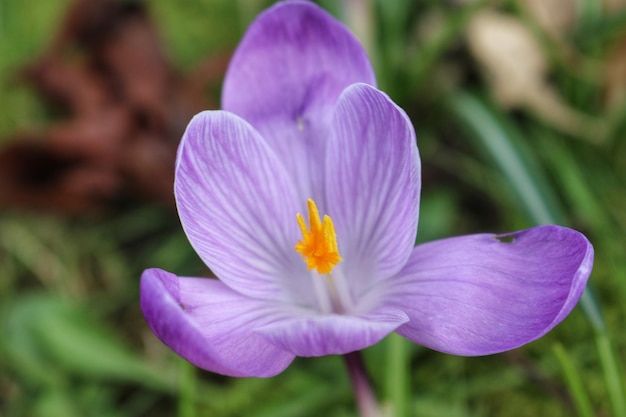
column 318, row 248
column 318, row 245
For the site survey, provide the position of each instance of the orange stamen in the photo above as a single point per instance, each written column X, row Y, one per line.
column 318, row 245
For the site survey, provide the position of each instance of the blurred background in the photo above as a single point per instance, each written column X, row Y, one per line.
column 520, row 112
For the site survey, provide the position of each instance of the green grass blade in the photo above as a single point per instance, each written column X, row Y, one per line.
column 505, row 148
column 574, row 382
column 612, row 375
column 509, row 154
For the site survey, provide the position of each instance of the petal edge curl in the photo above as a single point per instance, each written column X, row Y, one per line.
column 483, row 294
column 210, row 325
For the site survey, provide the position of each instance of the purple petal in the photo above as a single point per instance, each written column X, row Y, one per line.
column 373, row 184
column 484, row 294
column 285, row 77
column 210, row 325
column 334, row 334
column 238, row 207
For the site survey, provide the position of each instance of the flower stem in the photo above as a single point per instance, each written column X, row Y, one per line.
column 363, row 393
column 397, row 378
column 187, row 390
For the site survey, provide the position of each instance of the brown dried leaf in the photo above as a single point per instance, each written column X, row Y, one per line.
column 517, row 71
column 33, row 175
column 615, row 75
column 615, row 5
column 126, row 108
column 556, row 17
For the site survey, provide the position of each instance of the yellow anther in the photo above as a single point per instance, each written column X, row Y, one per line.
column 318, row 245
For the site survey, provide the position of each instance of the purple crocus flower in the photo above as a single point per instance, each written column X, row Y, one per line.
column 304, row 130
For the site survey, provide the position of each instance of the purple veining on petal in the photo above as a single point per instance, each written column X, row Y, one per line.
column 477, row 295
column 237, row 205
column 373, row 185
column 303, row 120
column 210, row 325
column 285, row 77
column 332, row 334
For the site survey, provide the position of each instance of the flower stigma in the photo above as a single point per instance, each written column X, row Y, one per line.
column 318, row 245
column 318, row 248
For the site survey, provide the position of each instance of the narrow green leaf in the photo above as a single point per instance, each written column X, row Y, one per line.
column 574, row 382
column 514, row 160
column 613, row 375
column 63, row 335
column 505, row 150
column 535, row 196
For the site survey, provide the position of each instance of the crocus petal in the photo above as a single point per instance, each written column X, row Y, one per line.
column 210, row 325
column 372, row 185
column 285, row 77
column 333, row 334
column 484, row 294
column 238, row 207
